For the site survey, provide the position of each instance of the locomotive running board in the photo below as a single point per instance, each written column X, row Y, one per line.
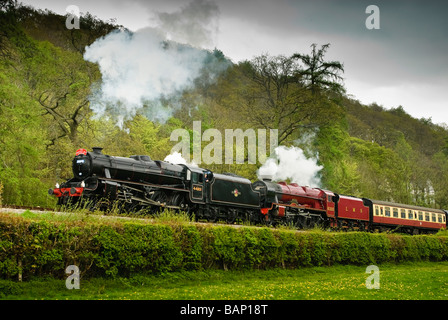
column 298, row 206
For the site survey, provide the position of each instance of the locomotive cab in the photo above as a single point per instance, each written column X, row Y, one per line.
column 196, row 182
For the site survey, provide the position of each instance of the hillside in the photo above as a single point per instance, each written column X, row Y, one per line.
column 48, row 110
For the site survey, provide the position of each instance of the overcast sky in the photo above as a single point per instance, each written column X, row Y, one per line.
column 405, row 62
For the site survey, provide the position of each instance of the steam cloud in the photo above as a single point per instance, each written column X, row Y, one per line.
column 142, row 71
column 291, row 163
column 176, row 158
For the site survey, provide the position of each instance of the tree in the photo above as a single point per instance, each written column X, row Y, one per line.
column 320, row 75
column 275, row 99
column 21, row 142
column 61, row 85
column 273, row 92
column 91, row 28
column 265, row 93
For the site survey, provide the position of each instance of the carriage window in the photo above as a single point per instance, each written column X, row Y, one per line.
column 433, row 217
column 395, row 211
column 382, row 211
column 403, row 213
column 410, row 214
column 420, row 215
column 377, row 212
column 387, row 211
column 426, row 216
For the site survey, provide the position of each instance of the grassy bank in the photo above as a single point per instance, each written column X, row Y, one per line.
column 423, row 280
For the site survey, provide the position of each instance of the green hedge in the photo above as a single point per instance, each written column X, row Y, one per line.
column 29, row 247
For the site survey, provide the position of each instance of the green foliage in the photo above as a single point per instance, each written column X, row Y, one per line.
column 45, row 116
column 136, row 247
column 1, row 194
column 21, row 140
column 31, row 245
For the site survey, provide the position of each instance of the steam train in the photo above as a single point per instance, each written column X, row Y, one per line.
column 139, row 183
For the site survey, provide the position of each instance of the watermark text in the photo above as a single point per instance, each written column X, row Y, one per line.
column 72, row 281
column 373, row 281
column 73, row 15
column 373, row 21
column 234, row 145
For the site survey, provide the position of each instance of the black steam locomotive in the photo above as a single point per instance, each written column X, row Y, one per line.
column 138, row 183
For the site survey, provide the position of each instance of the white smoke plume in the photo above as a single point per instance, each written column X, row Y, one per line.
column 176, row 158
column 143, row 71
column 291, row 163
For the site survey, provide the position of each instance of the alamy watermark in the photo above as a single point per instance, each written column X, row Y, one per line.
column 373, row 281
column 72, row 281
column 234, row 143
column 373, row 21
column 73, row 15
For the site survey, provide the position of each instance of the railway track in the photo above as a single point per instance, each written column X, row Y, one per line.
column 24, row 208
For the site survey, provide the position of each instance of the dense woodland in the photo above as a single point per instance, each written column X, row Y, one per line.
column 45, row 116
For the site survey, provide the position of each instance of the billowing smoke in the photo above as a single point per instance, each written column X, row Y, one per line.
column 291, row 163
column 176, row 158
column 145, row 71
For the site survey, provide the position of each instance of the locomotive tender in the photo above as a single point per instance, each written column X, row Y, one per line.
column 138, row 183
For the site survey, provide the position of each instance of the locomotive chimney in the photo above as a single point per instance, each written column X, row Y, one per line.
column 97, row 150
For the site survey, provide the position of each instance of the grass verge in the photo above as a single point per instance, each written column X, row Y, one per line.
column 416, row 281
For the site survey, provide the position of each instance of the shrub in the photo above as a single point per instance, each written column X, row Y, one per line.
column 33, row 247
column 228, row 247
column 190, row 242
column 134, row 247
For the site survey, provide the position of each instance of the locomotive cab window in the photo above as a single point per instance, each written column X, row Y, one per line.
column 208, row 176
column 196, row 177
